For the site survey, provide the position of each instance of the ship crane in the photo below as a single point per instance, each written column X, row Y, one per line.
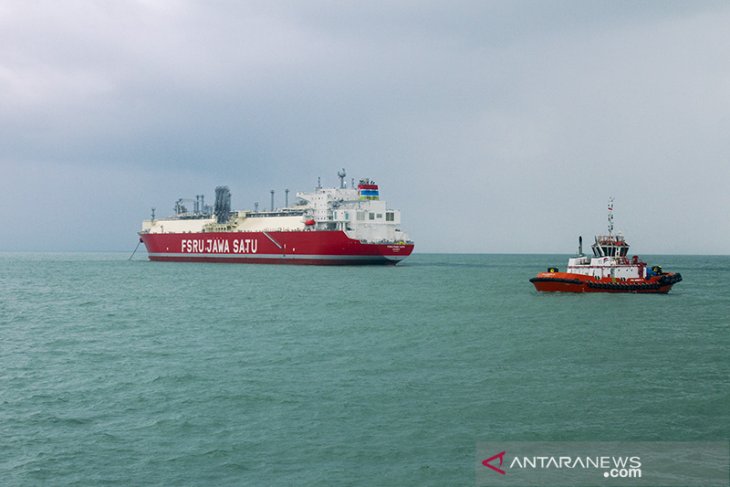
column 180, row 207
column 199, row 207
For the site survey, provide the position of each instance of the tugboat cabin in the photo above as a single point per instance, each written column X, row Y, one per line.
column 610, row 246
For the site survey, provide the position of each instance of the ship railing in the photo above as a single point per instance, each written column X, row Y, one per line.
column 266, row 214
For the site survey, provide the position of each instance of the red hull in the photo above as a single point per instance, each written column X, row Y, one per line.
column 579, row 283
column 292, row 247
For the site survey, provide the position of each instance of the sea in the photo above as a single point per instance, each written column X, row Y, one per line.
column 133, row 373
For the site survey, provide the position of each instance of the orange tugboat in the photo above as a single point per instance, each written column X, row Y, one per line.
column 608, row 271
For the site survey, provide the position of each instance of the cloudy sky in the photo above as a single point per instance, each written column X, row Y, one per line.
column 493, row 126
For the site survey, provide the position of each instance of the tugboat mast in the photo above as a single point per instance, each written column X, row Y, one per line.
column 610, row 216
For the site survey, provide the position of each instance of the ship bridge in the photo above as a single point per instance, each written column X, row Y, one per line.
column 357, row 210
column 610, row 246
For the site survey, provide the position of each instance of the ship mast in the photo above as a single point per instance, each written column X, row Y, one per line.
column 342, row 175
column 610, row 216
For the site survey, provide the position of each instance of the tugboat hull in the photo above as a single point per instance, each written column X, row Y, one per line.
column 579, row 283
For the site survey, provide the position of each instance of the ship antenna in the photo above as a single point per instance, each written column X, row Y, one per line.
column 286, row 198
column 610, row 216
column 342, row 175
column 272, row 200
column 153, row 215
column 580, row 246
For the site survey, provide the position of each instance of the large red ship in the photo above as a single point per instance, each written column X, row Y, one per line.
column 329, row 226
column 608, row 271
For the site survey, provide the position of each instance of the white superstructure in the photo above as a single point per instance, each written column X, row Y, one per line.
column 368, row 220
column 609, row 260
column 357, row 211
column 610, row 257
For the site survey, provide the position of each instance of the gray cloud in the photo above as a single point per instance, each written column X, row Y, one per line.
column 494, row 126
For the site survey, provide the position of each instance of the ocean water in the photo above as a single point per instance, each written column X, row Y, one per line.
column 116, row 372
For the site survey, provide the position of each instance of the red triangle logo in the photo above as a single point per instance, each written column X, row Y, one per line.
column 487, row 463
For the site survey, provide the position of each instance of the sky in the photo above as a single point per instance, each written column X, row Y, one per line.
column 494, row 126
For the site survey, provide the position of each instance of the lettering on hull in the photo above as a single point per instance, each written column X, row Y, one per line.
column 219, row 246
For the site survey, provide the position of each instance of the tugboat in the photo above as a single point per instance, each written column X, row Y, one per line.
column 608, row 271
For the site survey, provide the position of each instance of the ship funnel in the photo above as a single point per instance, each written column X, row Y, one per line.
column 580, row 246
column 222, row 209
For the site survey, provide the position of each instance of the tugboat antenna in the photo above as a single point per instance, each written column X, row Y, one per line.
column 610, row 216
column 580, row 246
